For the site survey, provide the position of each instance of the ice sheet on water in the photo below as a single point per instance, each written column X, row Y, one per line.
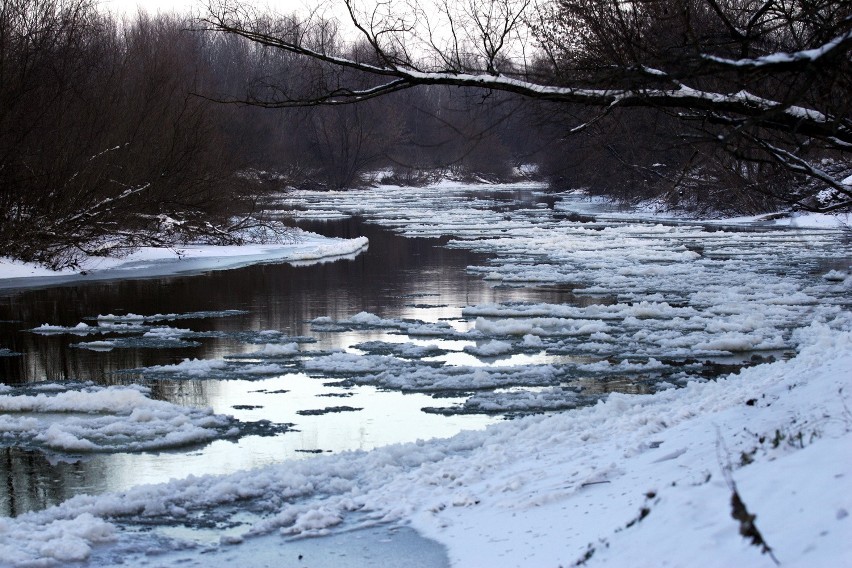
column 327, row 410
column 128, row 323
column 424, row 376
column 271, row 351
column 147, row 335
column 144, row 342
column 401, row 350
column 6, row 352
column 84, row 418
column 266, row 336
column 349, row 364
column 518, row 401
column 130, row 318
column 83, row 328
column 491, row 348
column 645, row 310
column 213, row 369
column 161, row 337
column 368, row 321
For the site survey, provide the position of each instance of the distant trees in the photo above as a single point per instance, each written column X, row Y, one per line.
column 745, row 93
column 335, row 145
column 102, row 146
column 110, row 139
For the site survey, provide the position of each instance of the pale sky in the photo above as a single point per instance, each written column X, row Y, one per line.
column 327, row 9
column 185, row 6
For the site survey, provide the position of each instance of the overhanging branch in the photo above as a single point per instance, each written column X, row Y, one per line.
column 394, row 76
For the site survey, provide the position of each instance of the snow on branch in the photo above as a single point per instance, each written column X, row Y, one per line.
column 783, row 61
column 396, row 73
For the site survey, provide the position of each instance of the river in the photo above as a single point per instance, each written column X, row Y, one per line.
column 423, row 265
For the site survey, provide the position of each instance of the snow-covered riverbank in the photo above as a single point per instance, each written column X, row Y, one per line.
column 630, row 480
column 148, row 262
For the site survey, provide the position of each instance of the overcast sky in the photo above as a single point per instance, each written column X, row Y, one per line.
column 185, row 6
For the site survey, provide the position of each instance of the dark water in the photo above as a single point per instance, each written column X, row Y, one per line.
column 395, row 275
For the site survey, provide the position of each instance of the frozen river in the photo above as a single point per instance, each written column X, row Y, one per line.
column 397, row 277
column 472, row 305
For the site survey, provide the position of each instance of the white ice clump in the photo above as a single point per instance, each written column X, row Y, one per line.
column 518, row 401
column 835, row 276
column 137, row 318
column 190, row 367
column 276, row 350
column 241, row 366
column 366, row 320
column 402, row 350
column 491, row 348
column 106, row 419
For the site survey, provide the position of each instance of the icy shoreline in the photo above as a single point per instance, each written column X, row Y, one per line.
column 148, row 262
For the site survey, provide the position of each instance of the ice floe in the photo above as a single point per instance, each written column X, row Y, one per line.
column 621, row 476
column 92, row 419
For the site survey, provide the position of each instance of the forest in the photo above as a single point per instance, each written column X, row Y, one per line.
column 164, row 129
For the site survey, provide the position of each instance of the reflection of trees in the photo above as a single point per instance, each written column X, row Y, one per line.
column 32, row 482
column 278, row 297
column 185, row 393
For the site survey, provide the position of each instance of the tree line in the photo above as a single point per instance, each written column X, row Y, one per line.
column 113, row 134
column 167, row 129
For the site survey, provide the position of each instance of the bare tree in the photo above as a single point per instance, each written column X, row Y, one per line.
column 763, row 81
column 102, row 146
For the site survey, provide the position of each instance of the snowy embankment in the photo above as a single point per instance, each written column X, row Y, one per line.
column 306, row 248
column 632, row 481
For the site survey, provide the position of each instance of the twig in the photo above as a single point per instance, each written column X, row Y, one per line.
column 738, row 509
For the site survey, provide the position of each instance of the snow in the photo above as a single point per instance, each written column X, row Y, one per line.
column 810, row 55
column 147, row 262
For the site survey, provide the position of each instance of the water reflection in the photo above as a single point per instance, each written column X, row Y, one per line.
column 32, row 481
column 281, row 297
column 397, row 277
